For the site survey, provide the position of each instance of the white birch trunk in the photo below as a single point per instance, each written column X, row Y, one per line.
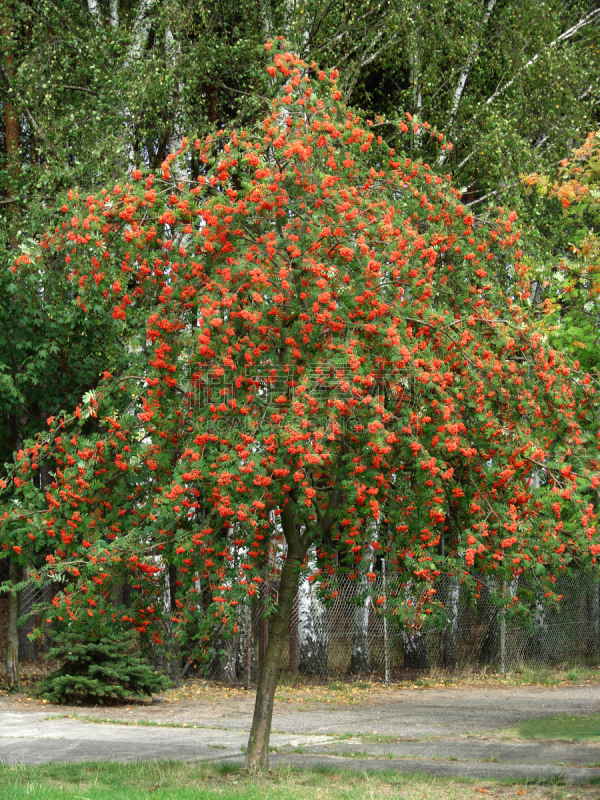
column 537, row 647
column 416, row 83
column 12, row 634
column 449, row 638
column 415, row 67
column 504, row 650
column 360, row 656
column 265, row 19
column 415, row 648
column 139, row 38
column 173, row 53
column 228, row 663
column 140, row 31
column 313, row 638
column 114, row 13
column 94, row 12
column 463, row 77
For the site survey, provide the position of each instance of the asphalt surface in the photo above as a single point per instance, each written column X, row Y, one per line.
column 447, row 732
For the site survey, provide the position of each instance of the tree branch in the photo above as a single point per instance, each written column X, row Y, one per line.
column 140, row 31
column 587, row 19
column 464, row 73
column 463, row 77
column 13, row 98
column 568, row 34
column 465, row 160
column 78, row 89
column 39, row 131
column 504, row 188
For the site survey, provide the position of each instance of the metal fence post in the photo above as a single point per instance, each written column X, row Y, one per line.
column 503, row 633
column 386, row 656
column 248, row 647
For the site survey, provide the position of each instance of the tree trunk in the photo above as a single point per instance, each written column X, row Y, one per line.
column 488, row 621
column 176, row 134
column 413, row 641
column 28, row 649
column 449, row 595
column 360, row 658
column 293, row 638
column 12, row 644
column 227, row 661
column 263, row 622
column 173, row 650
column 313, row 639
column 593, row 650
column 168, row 659
column 257, row 757
column 11, row 127
column 415, row 650
column 537, row 647
column 249, row 667
column 114, row 13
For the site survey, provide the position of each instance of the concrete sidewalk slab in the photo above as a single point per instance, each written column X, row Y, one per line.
column 44, row 739
column 448, row 769
column 443, row 732
column 469, row 749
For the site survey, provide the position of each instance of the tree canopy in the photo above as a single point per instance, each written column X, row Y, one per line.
column 90, row 90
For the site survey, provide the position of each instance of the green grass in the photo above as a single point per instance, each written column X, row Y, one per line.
column 552, row 676
column 226, row 781
column 148, row 723
column 386, row 738
column 564, row 726
column 377, row 738
column 519, row 675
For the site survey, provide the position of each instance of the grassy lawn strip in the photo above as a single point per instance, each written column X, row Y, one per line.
column 295, row 689
column 564, row 726
column 139, row 722
column 179, row 781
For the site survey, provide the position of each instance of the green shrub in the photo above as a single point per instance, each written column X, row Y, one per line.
column 100, row 664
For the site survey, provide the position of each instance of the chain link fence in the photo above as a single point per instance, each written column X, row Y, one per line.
column 30, row 597
column 350, row 636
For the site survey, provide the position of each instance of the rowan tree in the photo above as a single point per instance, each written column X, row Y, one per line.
column 322, row 364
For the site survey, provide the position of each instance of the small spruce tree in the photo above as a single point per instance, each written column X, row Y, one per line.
column 100, row 664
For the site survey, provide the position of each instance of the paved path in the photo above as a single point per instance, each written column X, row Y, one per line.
column 37, row 739
column 442, row 731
